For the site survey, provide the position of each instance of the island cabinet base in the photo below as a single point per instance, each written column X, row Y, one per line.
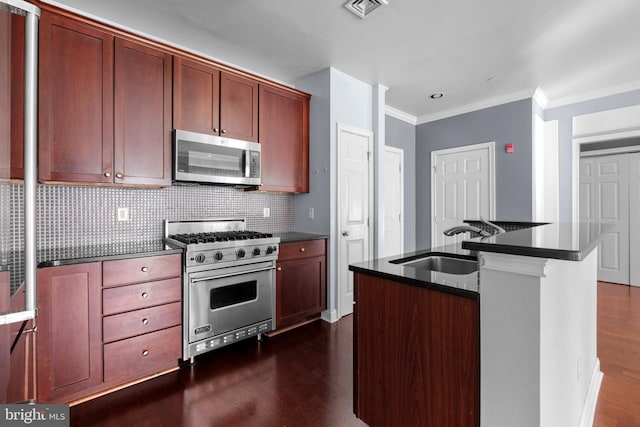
column 416, row 355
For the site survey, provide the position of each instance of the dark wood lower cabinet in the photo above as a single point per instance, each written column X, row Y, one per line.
column 416, row 355
column 69, row 337
column 93, row 337
column 301, row 283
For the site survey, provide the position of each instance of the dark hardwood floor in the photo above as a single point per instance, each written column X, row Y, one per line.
column 304, row 378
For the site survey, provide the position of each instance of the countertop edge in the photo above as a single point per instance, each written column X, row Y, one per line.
column 299, row 236
column 465, row 293
column 71, row 261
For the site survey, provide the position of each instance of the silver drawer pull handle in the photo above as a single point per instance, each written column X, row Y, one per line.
column 145, row 353
column 145, row 295
column 145, row 321
column 144, row 269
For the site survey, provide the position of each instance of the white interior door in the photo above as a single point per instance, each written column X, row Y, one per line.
column 462, row 188
column 393, row 202
column 354, row 196
column 634, row 218
column 604, row 197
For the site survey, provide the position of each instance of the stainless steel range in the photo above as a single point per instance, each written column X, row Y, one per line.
column 229, row 282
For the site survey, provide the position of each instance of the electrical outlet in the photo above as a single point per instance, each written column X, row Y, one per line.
column 123, row 214
column 311, row 213
column 266, row 213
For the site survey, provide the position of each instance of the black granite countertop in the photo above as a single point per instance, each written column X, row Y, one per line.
column 461, row 285
column 297, row 236
column 569, row 242
column 564, row 241
column 81, row 254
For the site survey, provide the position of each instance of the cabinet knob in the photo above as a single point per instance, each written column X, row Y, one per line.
column 144, row 269
column 145, row 321
column 224, row 131
column 119, row 175
column 145, row 353
column 216, row 130
column 145, row 295
column 107, row 174
column 301, row 249
column 279, row 269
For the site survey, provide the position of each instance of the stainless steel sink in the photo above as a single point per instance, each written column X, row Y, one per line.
column 442, row 263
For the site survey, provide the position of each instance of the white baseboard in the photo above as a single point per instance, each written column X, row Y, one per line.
column 330, row 316
column 589, row 408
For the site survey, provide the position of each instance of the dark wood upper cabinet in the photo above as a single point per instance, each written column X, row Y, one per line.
column 196, row 95
column 12, row 32
column 76, row 102
column 213, row 101
column 284, row 136
column 238, row 107
column 5, row 95
column 105, row 107
column 142, row 121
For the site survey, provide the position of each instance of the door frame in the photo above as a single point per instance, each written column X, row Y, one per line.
column 400, row 152
column 491, row 147
column 341, row 127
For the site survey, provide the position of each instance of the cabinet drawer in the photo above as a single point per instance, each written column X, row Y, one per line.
column 142, row 355
column 142, row 295
column 304, row 249
column 135, row 270
column 126, row 325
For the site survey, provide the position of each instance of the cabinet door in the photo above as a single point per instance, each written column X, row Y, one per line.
column 196, row 96
column 69, row 338
column 238, row 107
column 142, row 115
column 284, row 136
column 17, row 96
column 76, row 102
column 300, row 289
column 5, row 95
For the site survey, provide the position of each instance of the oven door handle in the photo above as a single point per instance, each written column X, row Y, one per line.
column 204, row 279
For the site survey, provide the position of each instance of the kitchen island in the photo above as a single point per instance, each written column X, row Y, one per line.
column 532, row 316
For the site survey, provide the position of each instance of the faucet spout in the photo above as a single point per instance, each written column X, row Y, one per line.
column 464, row 229
column 497, row 228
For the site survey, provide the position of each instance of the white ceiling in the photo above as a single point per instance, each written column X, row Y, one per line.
column 475, row 52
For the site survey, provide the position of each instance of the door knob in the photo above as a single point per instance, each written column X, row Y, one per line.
column 345, row 233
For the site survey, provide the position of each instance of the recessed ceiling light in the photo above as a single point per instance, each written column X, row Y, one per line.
column 362, row 8
column 436, row 95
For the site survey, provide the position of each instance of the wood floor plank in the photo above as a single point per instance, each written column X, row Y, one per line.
column 304, row 378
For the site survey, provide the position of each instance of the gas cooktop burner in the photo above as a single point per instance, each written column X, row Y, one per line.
column 223, row 236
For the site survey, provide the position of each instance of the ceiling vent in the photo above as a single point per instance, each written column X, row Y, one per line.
column 364, row 7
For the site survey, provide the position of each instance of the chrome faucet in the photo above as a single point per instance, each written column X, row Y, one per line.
column 497, row 228
column 466, row 228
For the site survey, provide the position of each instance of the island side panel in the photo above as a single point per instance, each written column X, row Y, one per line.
column 417, row 355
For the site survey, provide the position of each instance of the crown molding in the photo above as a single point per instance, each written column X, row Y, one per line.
column 480, row 105
column 400, row 115
column 595, row 94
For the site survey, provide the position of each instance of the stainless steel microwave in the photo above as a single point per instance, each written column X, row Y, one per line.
column 199, row 157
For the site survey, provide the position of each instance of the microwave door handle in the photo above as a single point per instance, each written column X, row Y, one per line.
column 247, row 164
column 204, row 279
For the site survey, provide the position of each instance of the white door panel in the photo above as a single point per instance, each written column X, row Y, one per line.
column 634, row 218
column 604, row 198
column 463, row 189
column 354, row 196
column 393, row 243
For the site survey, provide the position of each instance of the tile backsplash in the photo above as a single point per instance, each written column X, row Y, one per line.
column 69, row 216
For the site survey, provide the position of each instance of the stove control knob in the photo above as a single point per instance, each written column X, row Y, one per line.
column 240, row 253
column 200, row 258
column 270, row 249
column 256, row 251
column 217, row 256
